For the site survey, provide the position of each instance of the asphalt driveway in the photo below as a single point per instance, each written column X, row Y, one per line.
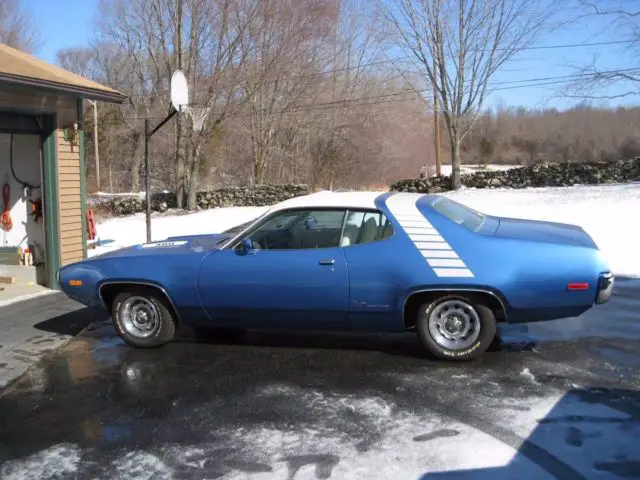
column 560, row 400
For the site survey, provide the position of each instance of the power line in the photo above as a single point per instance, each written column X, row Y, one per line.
column 396, row 97
column 406, row 57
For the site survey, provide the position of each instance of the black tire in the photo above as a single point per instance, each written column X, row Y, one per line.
column 165, row 328
column 487, row 328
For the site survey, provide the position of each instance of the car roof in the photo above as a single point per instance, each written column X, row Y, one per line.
column 325, row 198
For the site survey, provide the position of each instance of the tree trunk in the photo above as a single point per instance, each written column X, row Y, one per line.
column 193, row 177
column 136, row 162
column 179, row 185
column 193, row 186
column 455, row 161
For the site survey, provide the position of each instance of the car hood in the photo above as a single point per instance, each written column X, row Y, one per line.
column 539, row 231
column 178, row 245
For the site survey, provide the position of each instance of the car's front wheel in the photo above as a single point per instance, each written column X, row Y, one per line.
column 456, row 327
column 143, row 318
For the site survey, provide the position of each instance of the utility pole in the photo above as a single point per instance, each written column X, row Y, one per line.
column 94, row 103
column 436, row 119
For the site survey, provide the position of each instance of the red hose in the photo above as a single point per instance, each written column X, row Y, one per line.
column 5, row 221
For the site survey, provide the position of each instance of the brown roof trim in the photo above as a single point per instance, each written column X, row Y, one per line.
column 84, row 92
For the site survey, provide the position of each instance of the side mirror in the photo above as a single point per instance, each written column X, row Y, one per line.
column 246, row 246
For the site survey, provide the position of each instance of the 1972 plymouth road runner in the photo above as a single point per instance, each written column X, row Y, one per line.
column 364, row 261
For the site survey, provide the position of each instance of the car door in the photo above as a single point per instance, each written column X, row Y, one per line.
column 375, row 271
column 295, row 274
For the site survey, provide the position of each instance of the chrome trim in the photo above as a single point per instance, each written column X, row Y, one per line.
column 605, row 288
column 137, row 282
column 461, row 289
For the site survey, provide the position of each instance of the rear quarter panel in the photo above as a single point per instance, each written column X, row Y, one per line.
column 524, row 274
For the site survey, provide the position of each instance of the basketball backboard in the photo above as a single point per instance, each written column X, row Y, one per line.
column 179, row 91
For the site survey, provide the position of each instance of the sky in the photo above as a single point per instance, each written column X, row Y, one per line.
column 68, row 23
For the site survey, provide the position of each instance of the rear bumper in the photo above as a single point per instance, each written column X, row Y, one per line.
column 605, row 288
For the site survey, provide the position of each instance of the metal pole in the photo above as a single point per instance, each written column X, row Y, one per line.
column 148, row 133
column 95, row 142
column 436, row 120
column 147, row 177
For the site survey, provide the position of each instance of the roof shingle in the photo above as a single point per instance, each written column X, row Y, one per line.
column 21, row 68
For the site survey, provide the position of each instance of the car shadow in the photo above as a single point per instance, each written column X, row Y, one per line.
column 399, row 344
column 72, row 322
column 588, row 432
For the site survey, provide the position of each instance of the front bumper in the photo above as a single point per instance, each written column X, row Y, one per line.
column 605, row 288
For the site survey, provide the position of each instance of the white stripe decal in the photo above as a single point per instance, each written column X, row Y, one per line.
column 438, row 254
column 453, row 272
column 423, row 237
column 445, row 262
column 435, row 245
column 415, row 224
column 427, row 239
column 420, row 231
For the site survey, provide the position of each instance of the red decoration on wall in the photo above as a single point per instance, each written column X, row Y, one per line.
column 6, row 223
column 91, row 225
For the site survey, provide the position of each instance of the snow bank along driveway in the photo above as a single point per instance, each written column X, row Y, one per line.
column 610, row 214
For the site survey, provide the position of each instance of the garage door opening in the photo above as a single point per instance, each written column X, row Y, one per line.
column 23, row 266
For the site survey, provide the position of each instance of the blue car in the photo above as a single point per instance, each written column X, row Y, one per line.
column 358, row 261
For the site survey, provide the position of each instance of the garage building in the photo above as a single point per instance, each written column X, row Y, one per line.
column 42, row 180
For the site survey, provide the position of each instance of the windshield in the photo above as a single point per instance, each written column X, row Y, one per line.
column 230, row 232
column 458, row 213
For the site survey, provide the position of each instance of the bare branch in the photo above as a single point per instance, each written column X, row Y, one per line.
column 460, row 45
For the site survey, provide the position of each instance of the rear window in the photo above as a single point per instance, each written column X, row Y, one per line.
column 458, row 213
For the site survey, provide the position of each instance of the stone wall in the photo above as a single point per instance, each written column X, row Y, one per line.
column 254, row 196
column 541, row 175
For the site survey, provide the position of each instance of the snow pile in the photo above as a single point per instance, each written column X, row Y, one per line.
column 446, row 169
column 126, row 231
column 609, row 213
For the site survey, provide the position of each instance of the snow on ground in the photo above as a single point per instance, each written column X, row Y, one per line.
column 446, row 169
column 609, row 213
column 131, row 230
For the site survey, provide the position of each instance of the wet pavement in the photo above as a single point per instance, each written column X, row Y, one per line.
column 558, row 400
column 32, row 328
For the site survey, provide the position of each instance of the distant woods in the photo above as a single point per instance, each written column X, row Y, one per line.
column 320, row 92
column 581, row 134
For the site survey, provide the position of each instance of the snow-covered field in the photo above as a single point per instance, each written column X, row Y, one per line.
column 609, row 213
column 446, row 169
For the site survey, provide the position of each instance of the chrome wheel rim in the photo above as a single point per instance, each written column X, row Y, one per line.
column 140, row 317
column 454, row 325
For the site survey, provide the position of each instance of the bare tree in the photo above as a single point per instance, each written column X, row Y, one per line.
column 17, row 28
column 202, row 37
column 459, row 45
column 78, row 60
column 287, row 37
column 594, row 82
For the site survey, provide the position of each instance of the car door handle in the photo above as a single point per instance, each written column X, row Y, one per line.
column 329, row 261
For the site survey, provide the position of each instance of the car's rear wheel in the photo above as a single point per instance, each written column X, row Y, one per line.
column 456, row 327
column 143, row 318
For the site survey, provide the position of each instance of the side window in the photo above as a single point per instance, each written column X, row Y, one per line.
column 365, row 227
column 299, row 229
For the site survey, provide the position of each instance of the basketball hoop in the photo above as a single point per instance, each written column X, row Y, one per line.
column 180, row 101
column 198, row 115
column 179, row 91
